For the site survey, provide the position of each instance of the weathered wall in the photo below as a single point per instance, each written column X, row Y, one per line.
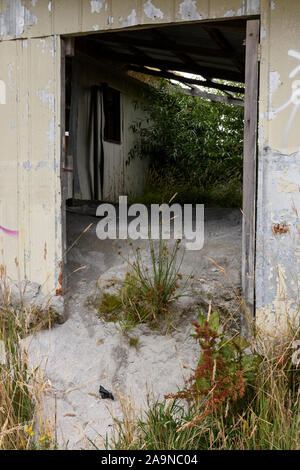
column 30, row 228
column 277, row 268
column 35, row 18
column 34, row 71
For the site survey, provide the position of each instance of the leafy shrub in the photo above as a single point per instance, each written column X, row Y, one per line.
column 195, row 147
column 223, row 370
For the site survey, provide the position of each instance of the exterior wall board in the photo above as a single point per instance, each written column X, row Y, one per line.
column 8, row 158
column 278, row 199
column 30, row 164
column 35, row 18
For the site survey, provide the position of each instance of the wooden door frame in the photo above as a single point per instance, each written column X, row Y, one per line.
column 250, row 165
column 66, row 50
column 249, row 159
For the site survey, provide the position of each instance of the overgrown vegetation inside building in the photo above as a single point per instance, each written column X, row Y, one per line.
column 194, row 146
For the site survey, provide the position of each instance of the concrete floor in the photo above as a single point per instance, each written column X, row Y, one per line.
column 85, row 351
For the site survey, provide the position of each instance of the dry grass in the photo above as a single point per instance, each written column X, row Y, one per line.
column 22, row 424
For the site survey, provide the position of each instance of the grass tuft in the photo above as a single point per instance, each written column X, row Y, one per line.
column 147, row 294
column 21, row 388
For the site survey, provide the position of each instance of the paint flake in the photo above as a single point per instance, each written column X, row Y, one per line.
column 27, row 165
column 274, row 81
column 188, row 10
column 229, row 14
column 11, row 82
column 130, row 20
column 253, row 6
column 151, row 11
column 43, row 42
column 96, row 5
column 15, row 18
column 46, row 97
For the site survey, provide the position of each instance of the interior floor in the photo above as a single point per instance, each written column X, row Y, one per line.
column 90, row 258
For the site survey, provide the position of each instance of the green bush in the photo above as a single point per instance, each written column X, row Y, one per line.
column 195, row 148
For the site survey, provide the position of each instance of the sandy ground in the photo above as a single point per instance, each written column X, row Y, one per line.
column 86, row 352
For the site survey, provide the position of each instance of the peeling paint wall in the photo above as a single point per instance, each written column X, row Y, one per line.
column 29, row 120
column 278, row 200
column 35, row 18
column 30, row 226
column 15, row 18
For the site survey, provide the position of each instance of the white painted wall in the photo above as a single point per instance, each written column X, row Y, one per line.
column 119, row 178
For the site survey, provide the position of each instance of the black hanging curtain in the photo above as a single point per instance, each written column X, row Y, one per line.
column 98, row 151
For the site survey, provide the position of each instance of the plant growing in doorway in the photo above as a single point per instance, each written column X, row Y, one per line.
column 147, row 293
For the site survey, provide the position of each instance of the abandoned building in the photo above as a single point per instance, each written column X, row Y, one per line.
column 47, row 107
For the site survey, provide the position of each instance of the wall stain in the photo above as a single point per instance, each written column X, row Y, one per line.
column 279, row 229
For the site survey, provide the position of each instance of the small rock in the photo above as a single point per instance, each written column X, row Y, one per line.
column 105, row 394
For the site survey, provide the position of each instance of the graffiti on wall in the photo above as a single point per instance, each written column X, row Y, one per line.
column 11, row 233
column 293, row 101
column 5, row 230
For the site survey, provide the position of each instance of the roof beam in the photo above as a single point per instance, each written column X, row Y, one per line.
column 161, row 45
column 213, row 97
column 138, row 53
column 92, row 49
column 170, row 45
column 186, row 80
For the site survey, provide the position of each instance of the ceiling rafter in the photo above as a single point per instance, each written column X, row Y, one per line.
column 96, row 50
column 186, row 80
column 213, row 97
column 170, row 44
column 138, row 53
column 161, row 45
column 225, row 46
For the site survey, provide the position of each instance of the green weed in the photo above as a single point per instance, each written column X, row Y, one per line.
column 147, row 293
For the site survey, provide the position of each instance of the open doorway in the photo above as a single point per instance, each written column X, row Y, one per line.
column 106, row 75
